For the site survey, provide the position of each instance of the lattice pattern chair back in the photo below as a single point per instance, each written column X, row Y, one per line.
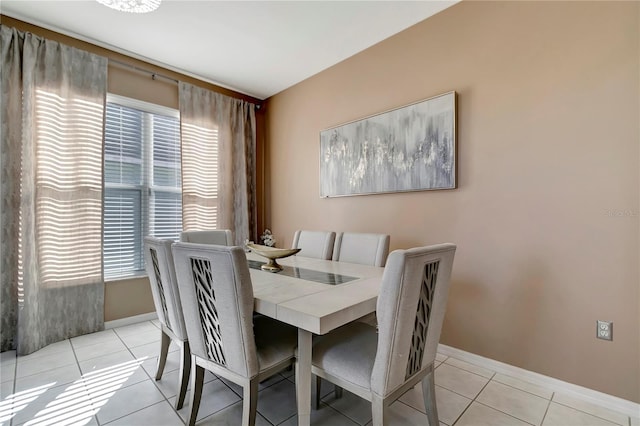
column 365, row 249
column 316, row 244
column 220, row 237
column 164, row 287
column 410, row 310
column 217, row 300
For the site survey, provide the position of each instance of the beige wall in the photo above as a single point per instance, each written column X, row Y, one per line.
column 127, row 298
column 548, row 146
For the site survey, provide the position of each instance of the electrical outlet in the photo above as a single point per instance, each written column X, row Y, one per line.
column 604, row 330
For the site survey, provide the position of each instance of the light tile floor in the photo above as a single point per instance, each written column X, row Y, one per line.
column 106, row 378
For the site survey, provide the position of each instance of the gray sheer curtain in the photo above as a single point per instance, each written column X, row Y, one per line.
column 51, row 193
column 218, row 162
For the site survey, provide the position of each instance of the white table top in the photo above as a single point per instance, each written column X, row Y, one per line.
column 315, row 307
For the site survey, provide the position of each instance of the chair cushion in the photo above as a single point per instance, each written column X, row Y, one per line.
column 366, row 249
column 348, row 352
column 275, row 341
column 315, row 244
column 221, row 237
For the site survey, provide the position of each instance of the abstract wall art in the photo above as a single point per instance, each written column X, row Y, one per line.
column 412, row 148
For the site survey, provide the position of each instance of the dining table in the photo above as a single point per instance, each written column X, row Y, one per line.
column 315, row 296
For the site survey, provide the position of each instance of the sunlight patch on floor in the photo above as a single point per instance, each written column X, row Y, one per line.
column 78, row 403
column 16, row 402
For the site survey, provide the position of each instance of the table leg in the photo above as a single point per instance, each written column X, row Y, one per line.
column 303, row 377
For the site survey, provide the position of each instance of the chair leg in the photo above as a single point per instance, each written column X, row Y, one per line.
column 337, row 392
column 164, row 350
column 429, row 395
column 316, row 384
column 197, row 379
column 250, row 402
column 185, row 369
column 378, row 411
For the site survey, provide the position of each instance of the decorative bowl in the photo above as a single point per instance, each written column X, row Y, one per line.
column 272, row 254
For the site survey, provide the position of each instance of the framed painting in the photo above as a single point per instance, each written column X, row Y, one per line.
column 411, row 148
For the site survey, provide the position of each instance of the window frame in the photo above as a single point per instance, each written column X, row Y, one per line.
column 146, row 187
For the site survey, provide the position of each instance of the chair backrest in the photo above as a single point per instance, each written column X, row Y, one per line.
column 217, row 301
column 410, row 311
column 164, row 287
column 220, row 237
column 366, row 249
column 316, row 244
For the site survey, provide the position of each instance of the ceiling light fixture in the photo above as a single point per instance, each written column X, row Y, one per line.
column 133, row 6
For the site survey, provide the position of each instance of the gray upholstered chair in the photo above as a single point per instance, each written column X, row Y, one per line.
column 225, row 338
column 381, row 365
column 166, row 298
column 221, row 237
column 316, row 244
column 366, row 249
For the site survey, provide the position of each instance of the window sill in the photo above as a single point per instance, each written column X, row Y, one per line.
column 125, row 278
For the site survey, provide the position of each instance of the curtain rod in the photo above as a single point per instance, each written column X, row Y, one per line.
column 155, row 75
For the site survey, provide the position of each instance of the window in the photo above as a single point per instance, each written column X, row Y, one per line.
column 142, row 194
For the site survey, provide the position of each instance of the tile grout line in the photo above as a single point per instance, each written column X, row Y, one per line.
column 547, row 410
column 506, row 414
column 136, row 411
column 530, row 393
column 522, row 390
column 343, row 414
column 369, row 422
column 39, row 372
column 397, row 401
column 15, row 380
column 84, row 385
column 464, row 396
column 473, row 399
column 492, row 379
column 165, row 398
column 261, row 390
column 235, row 393
column 456, row 393
column 500, row 411
column 591, row 396
column 493, row 373
column 282, row 422
column 151, row 379
column 461, row 414
column 340, row 412
column 595, row 415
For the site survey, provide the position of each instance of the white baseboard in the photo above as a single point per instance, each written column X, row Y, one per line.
column 611, row 402
column 130, row 320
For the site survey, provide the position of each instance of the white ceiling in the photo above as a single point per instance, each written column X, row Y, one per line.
column 255, row 47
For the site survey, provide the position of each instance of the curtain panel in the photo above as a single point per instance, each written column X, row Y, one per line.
column 52, row 123
column 218, row 135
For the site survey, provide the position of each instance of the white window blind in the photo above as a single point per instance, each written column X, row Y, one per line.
column 142, row 181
